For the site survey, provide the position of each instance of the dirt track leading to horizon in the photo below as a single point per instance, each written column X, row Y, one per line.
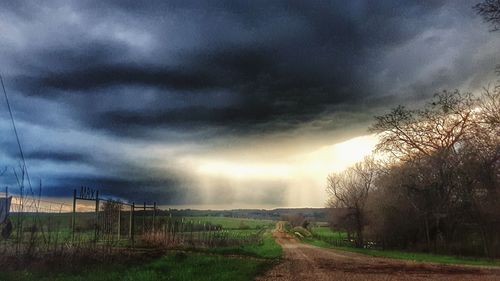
column 305, row 262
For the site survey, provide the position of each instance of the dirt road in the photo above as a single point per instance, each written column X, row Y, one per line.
column 305, row 262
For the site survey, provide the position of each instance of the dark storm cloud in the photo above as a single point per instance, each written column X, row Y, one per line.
column 116, row 177
column 287, row 61
column 101, row 76
column 57, row 156
column 125, row 73
column 162, row 191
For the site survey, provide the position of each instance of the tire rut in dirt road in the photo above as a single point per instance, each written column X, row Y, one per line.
column 305, row 262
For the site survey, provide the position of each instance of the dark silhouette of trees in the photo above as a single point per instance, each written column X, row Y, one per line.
column 436, row 129
column 349, row 191
column 439, row 187
column 297, row 220
column 446, row 173
column 108, row 216
column 490, row 11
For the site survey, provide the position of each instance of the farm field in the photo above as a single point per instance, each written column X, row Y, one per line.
column 57, row 228
column 240, row 261
column 234, row 223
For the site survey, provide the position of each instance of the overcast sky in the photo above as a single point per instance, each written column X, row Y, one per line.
column 221, row 104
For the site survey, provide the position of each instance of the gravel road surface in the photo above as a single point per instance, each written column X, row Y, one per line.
column 305, row 262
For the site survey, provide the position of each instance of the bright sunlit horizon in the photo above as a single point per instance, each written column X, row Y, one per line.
column 304, row 174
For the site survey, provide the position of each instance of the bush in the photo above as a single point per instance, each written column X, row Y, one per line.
column 302, row 231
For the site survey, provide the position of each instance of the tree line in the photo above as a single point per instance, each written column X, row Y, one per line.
column 433, row 181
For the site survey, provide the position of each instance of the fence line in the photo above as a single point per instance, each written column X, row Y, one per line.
column 38, row 225
column 34, row 204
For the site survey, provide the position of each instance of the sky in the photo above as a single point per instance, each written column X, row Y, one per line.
column 220, row 104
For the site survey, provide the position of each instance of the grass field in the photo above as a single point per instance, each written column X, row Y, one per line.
column 268, row 249
column 325, row 235
column 412, row 256
column 326, row 232
column 178, row 267
column 243, row 262
column 234, row 223
column 58, row 226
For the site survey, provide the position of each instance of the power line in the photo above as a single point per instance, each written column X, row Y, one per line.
column 15, row 132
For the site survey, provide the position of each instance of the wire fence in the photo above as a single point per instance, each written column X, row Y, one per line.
column 39, row 225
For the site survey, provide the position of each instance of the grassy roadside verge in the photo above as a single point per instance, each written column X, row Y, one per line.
column 268, row 249
column 411, row 256
column 174, row 266
column 230, row 263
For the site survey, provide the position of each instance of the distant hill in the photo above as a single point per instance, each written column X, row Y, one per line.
column 312, row 214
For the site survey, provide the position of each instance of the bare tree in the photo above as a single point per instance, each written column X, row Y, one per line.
column 438, row 128
column 445, row 172
column 490, row 11
column 110, row 210
column 479, row 170
column 349, row 190
column 297, row 220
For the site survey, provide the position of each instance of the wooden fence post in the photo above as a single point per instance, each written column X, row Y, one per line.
column 7, row 198
column 96, row 233
column 144, row 219
column 119, row 220
column 73, row 217
column 131, row 224
column 154, row 216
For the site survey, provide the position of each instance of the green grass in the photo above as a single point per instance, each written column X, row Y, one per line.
column 209, row 264
column 412, row 256
column 326, row 232
column 233, row 223
column 183, row 267
column 268, row 249
column 423, row 257
column 243, row 232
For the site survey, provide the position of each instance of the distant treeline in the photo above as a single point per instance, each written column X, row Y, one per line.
column 311, row 214
column 433, row 183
